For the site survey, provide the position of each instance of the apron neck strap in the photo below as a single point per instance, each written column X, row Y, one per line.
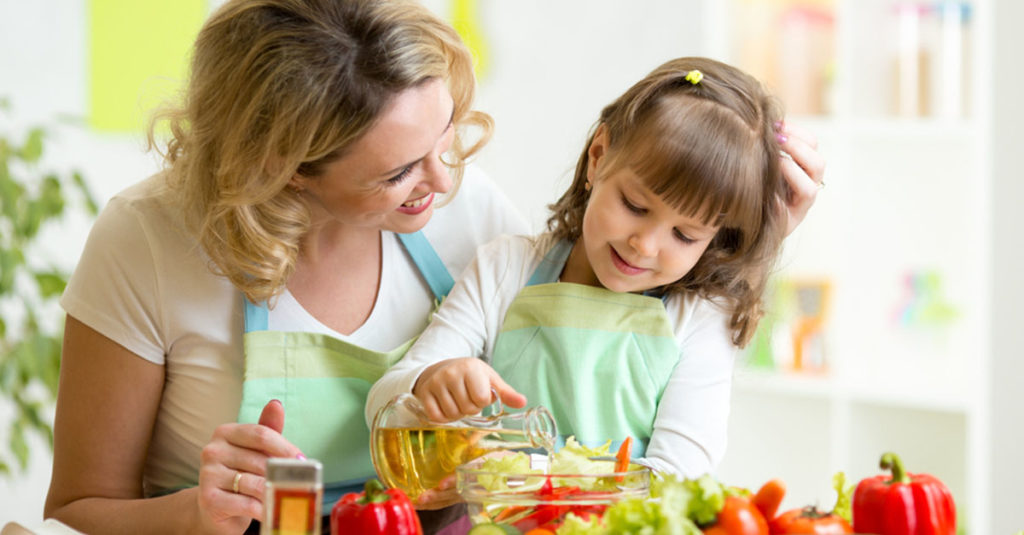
column 255, row 316
column 550, row 267
column 429, row 264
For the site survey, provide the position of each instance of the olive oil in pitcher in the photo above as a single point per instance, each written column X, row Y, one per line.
column 414, row 454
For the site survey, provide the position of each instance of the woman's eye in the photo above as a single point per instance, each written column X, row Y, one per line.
column 397, row 179
column 632, row 207
column 682, row 237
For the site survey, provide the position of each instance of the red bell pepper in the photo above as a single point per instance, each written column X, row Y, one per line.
column 904, row 504
column 375, row 511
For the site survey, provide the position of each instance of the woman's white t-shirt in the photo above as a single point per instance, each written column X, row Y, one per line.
column 143, row 282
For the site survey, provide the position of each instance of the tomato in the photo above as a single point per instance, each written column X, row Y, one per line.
column 811, row 521
column 738, row 517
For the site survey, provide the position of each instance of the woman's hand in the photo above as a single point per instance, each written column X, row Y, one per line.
column 804, row 170
column 233, row 470
column 460, row 387
column 439, row 497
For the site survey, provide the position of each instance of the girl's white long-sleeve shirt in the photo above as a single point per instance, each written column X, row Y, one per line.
column 689, row 434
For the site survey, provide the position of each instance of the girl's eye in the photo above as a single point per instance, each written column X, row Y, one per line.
column 632, row 207
column 397, row 179
column 682, row 237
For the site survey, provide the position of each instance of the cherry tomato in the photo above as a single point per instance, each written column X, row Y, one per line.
column 810, row 521
column 738, row 517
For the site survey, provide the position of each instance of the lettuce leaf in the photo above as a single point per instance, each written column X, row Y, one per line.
column 699, row 499
column 516, row 463
column 634, row 516
column 574, row 458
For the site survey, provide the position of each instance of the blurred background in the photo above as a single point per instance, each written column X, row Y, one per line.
column 893, row 323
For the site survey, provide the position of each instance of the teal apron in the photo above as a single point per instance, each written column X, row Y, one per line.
column 598, row 359
column 323, row 383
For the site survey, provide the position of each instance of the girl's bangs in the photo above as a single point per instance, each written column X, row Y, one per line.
column 698, row 159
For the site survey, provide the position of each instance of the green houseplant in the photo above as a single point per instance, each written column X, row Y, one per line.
column 31, row 198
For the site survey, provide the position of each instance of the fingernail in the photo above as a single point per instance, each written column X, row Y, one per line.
column 777, row 125
column 275, row 400
column 781, row 138
column 300, row 457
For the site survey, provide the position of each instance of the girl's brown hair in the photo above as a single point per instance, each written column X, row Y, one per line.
column 708, row 148
column 280, row 87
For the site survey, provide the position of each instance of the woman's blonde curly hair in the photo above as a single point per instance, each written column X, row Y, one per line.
column 708, row 148
column 280, row 87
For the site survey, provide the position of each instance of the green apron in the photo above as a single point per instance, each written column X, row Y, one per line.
column 598, row 359
column 323, row 383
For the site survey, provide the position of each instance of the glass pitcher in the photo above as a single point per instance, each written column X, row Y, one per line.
column 413, row 453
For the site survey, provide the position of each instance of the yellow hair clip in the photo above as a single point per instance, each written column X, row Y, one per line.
column 694, row 77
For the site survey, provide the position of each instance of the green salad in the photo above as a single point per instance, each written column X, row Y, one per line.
column 556, row 501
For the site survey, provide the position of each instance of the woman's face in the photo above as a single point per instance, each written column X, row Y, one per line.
column 388, row 178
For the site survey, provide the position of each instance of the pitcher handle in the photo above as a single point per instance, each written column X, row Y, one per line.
column 497, row 411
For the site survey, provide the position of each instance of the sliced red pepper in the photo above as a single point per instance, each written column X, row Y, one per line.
column 551, row 516
column 546, row 488
column 542, row 516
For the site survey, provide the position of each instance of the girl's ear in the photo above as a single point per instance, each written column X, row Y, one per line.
column 597, row 151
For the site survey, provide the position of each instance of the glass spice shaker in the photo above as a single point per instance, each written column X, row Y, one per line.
column 294, row 490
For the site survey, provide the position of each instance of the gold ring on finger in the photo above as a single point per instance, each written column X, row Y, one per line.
column 235, row 482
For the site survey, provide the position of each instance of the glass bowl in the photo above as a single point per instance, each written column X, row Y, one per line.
column 540, row 500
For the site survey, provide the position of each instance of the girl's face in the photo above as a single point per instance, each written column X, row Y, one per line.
column 632, row 240
column 388, row 178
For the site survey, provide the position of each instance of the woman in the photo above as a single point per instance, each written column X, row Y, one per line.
column 298, row 211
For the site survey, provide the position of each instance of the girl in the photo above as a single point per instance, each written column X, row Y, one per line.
column 625, row 318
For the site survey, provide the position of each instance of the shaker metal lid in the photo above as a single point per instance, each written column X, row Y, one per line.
column 285, row 469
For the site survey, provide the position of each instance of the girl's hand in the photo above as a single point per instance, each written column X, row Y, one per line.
column 460, row 387
column 232, row 473
column 804, row 171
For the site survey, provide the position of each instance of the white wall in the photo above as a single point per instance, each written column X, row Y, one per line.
column 553, row 66
column 1007, row 372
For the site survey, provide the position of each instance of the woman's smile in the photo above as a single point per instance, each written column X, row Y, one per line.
column 417, row 206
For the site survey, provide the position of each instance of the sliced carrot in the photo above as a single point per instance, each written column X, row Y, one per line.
column 539, row 531
column 622, row 457
column 769, row 497
column 509, row 511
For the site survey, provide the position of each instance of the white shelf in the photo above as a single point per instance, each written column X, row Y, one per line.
column 919, row 395
column 828, row 127
column 907, row 195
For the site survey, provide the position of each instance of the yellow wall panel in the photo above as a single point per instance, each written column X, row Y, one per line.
column 138, row 56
